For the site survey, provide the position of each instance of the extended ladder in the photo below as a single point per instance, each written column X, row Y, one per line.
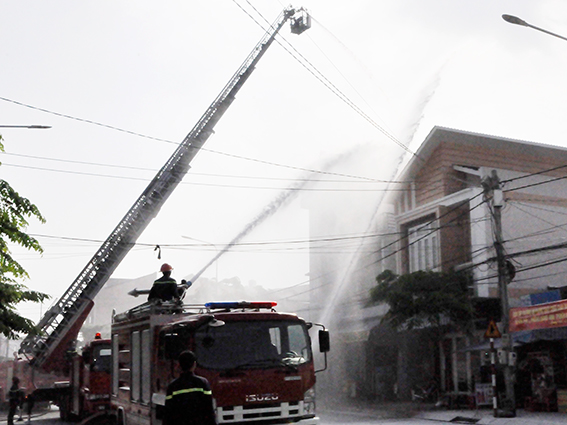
column 61, row 323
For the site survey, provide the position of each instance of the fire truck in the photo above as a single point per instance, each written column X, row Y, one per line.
column 48, row 350
column 80, row 390
column 87, row 392
column 259, row 362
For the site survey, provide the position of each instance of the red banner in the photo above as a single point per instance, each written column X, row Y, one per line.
column 551, row 315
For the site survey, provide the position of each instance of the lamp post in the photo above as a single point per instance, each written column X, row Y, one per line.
column 34, row 127
column 517, row 21
column 216, row 249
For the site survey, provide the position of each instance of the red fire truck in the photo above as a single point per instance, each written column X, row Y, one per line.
column 46, row 351
column 80, row 390
column 259, row 362
column 88, row 390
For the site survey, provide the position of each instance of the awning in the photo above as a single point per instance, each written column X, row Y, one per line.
column 549, row 334
column 485, row 346
column 524, row 337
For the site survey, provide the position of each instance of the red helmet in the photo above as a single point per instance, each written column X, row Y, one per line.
column 166, row 268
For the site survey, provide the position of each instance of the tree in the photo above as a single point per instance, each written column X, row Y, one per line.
column 424, row 298
column 14, row 213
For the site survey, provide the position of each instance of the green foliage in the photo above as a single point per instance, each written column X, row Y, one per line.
column 423, row 298
column 14, row 213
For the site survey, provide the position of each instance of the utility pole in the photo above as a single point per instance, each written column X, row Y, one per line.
column 493, row 191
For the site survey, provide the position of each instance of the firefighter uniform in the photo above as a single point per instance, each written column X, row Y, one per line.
column 15, row 398
column 165, row 289
column 189, row 401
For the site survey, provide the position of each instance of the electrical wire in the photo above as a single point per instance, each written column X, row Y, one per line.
column 299, row 189
column 535, row 184
column 513, row 255
column 193, row 173
column 534, row 174
column 405, row 237
column 260, row 161
column 312, row 69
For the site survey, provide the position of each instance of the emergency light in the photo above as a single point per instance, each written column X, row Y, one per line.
column 241, row 304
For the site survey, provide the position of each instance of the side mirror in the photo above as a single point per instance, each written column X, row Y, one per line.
column 87, row 357
column 324, row 341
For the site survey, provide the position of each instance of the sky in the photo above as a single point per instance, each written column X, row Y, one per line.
column 122, row 82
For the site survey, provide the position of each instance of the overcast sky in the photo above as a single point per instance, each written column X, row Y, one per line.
column 152, row 68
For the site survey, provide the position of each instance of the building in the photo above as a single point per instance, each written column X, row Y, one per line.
column 444, row 221
column 438, row 218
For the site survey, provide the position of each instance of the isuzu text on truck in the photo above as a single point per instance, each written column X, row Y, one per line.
column 259, row 362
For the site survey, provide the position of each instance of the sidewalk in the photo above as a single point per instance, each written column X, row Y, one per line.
column 486, row 417
column 391, row 410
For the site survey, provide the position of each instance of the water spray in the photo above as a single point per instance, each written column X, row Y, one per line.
column 281, row 199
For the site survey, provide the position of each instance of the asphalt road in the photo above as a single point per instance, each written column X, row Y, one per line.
column 356, row 418
column 51, row 417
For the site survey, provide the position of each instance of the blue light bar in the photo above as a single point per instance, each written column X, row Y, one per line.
column 241, row 304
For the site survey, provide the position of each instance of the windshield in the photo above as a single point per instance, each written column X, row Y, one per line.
column 253, row 345
column 101, row 359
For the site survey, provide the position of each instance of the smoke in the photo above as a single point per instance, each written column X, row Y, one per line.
column 283, row 198
column 353, row 265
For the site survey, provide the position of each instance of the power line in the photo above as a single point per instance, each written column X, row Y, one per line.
column 459, row 205
column 554, row 226
column 535, row 184
column 534, row 174
column 327, row 83
column 260, row 161
column 193, row 173
column 264, row 243
column 299, row 189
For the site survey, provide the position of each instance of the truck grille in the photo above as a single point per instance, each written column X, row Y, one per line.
column 260, row 412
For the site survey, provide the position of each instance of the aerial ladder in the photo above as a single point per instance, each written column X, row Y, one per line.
column 61, row 323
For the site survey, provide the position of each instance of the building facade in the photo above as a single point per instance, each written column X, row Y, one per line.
column 442, row 219
column 439, row 217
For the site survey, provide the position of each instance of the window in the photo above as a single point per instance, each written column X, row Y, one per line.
column 101, row 359
column 423, row 247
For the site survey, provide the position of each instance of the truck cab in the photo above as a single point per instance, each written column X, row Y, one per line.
column 259, row 362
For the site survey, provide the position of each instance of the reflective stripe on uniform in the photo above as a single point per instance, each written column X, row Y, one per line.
column 189, row 390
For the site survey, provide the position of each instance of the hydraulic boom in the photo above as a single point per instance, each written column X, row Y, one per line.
column 61, row 323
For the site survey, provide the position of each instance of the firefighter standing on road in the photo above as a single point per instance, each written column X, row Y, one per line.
column 15, row 398
column 189, row 399
column 164, row 288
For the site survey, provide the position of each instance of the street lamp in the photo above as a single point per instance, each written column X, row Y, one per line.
column 216, row 249
column 517, row 21
column 34, row 127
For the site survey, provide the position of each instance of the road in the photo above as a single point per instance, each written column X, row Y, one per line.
column 330, row 418
column 327, row 418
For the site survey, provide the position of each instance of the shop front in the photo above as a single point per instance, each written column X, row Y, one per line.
column 540, row 332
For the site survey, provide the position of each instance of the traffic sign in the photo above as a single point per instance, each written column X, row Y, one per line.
column 492, row 330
